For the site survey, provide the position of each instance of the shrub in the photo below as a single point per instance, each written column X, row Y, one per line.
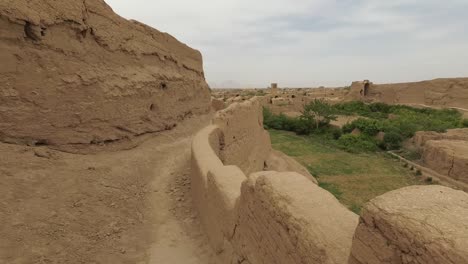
column 303, row 126
column 330, row 132
column 348, row 128
column 335, row 132
column 380, row 107
column 465, row 122
column 367, row 126
column 392, row 140
column 319, row 112
column 356, row 144
column 267, row 115
column 409, row 119
column 317, row 115
column 350, row 108
column 282, row 122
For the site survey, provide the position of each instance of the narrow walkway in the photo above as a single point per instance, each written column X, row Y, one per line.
column 128, row 206
column 177, row 233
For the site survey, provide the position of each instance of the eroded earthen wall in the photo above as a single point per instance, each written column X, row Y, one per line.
column 418, row 224
column 244, row 141
column 421, row 137
column 445, row 153
column 74, row 72
column 268, row 217
column 451, row 92
column 284, row 218
column 448, row 157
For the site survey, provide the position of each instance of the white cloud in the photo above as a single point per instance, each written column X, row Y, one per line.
column 315, row 42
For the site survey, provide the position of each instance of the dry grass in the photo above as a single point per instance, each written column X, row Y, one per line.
column 353, row 178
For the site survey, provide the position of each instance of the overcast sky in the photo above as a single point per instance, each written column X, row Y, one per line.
column 251, row 43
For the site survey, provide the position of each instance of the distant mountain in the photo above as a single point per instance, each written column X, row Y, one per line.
column 225, row 84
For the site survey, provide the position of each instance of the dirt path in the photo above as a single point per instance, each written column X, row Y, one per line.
column 178, row 236
column 129, row 206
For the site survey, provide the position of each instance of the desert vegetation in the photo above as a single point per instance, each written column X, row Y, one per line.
column 353, row 178
column 379, row 126
column 351, row 161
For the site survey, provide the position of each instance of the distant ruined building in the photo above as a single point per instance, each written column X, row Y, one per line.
column 274, row 88
column 449, row 92
column 360, row 90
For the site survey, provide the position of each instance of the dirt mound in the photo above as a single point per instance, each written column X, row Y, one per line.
column 418, row 224
column 74, row 72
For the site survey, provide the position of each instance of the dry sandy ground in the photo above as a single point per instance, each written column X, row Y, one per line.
column 340, row 121
column 130, row 206
column 343, row 120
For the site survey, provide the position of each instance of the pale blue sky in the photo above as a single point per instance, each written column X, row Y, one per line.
column 314, row 42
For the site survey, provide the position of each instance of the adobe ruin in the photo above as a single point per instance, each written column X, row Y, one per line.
column 167, row 174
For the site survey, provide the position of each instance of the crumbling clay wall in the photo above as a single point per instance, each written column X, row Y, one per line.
column 445, row 153
column 451, row 92
column 215, row 190
column 448, row 157
column 244, row 142
column 284, row 218
column 217, row 104
column 74, row 72
column 264, row 217
column 418, row 224
column 421, row 137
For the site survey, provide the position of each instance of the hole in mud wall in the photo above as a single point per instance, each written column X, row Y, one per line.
column 293, row 96
column 84, row 33
column 366, row 89
column 163, row 85
column 41, row 142
column 30, row 32
column 152, row 107
column 43, row 31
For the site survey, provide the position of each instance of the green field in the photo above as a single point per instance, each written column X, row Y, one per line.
column 353, row 178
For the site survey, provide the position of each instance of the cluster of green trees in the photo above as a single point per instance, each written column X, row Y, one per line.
column 397, row 122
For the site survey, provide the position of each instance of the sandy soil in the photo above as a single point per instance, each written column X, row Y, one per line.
column 342, row 120
column 129, row 206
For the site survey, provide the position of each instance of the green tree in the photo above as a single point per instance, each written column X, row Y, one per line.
column 319, row 112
